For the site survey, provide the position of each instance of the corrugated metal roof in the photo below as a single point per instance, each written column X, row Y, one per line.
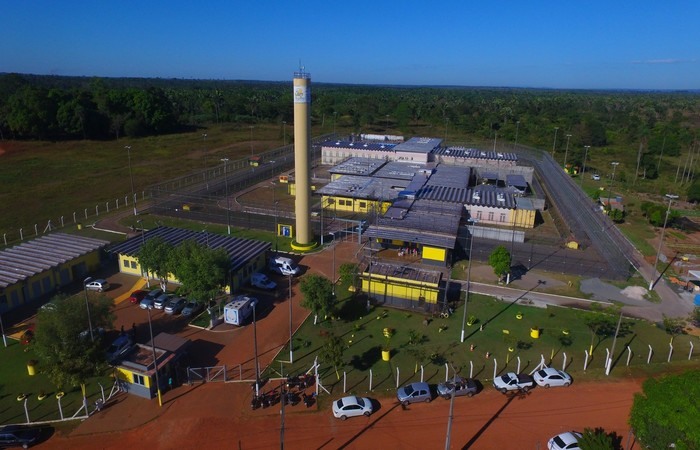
column 240, row 250
column 404, row 272
column 462, row 152
column 492, row 196
column 359, row 144
column 38, row 255
column 358, row 166
column 419, row 145
column 516, row 180
column 355, row 186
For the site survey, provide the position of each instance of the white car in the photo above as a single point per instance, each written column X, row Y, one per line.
column 596, row 177
column 96, row 285
column 352, row 406
column 564, row 441
column 550, row 376
column 513, row 382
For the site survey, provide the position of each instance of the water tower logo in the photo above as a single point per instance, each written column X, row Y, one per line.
column 300, row 94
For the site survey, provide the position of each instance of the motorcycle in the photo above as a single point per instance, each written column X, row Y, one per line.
column 308, row 399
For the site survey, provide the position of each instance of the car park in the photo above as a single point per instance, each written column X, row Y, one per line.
column 98, row 285
column 161, row 300
column 549, row 376
column 261, row 281
column 18, row 436
column 137, row 296
column 191, row 308
column 513, row 382
column 352, row 406
column 119, row 348
column 460, row 386
column 564, row 441
column 414, row 392
column 175, row 305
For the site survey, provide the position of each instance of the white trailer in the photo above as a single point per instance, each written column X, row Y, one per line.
column 237, row 311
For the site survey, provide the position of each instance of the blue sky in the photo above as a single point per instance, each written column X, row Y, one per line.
column 613, row 44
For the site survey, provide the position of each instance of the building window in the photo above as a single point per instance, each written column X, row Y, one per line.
column 133, row 264
column 502, row 218
column 491, row 216
column 139, row 379
column 478, row 215
column 126, row 263
column 363, row 205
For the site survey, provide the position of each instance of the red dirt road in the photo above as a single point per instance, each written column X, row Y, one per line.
column 216, row 416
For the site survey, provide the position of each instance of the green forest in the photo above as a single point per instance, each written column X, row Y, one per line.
column 648, row 124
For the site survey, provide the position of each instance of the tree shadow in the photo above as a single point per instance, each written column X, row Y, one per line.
column 367, row 359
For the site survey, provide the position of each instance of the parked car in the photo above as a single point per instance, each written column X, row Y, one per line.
column 414, row 392
column 98, row 285
column 161, row 300
column 550, row 376
column 137, row 296
column 565, row 441
column 191, row 308
column 18, row 436
column 352, row 406
column 513, row 382
column 596, row 177
column 175, row 305
column 463, row 386
column 119, row 348
column 261, row 281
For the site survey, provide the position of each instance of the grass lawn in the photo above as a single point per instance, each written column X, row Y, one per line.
column 15, row 380
column 362, row 334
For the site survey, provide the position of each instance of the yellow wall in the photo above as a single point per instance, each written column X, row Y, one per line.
column 434, row 253
column 341, row 203
column 382, row 286
column 128, row 376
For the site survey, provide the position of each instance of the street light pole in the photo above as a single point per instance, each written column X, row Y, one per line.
column 255, row 349
column 612, row 181
column 143, row 243
column 670, row 198
column 228, row 208
column 583, row 170
column 291, row 350
column 87, row 306
column 155, row 360
column 206, row 178
column 284, row 131
column 251, row 140
column 335, row 116
column 566, row 152
column 133, row 192
column 517, row 129
column 469, row 272
column 554, row 144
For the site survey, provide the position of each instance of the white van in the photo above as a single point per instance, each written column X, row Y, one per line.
column 261, row 281
column 283, row 265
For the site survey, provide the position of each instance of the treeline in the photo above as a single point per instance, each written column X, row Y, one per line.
column 58, row 108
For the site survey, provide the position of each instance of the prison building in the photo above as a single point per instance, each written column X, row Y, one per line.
column 37, row 269
column 247, row 255
column 416, row 149
column 401, row 286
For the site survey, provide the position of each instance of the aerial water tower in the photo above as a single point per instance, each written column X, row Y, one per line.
column 304, row 239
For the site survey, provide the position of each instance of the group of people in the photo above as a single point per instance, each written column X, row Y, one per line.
column 406, row 251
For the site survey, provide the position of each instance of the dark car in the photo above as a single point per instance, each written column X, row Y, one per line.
column 191, row 308
column 137, row 296
column 463, row 386
column 175, row 305
column 18, row 436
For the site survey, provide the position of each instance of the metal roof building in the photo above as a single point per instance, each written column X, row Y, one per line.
column 43, row 254
column 34, row 269
column 241, row 251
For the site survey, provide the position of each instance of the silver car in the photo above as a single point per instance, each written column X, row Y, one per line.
column 352, row 406
column 98, row 285
column 414, row 392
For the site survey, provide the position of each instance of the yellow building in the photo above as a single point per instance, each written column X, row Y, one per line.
column 400, row 286
column 138, row 369
column 247, row 255
column 37, row 269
